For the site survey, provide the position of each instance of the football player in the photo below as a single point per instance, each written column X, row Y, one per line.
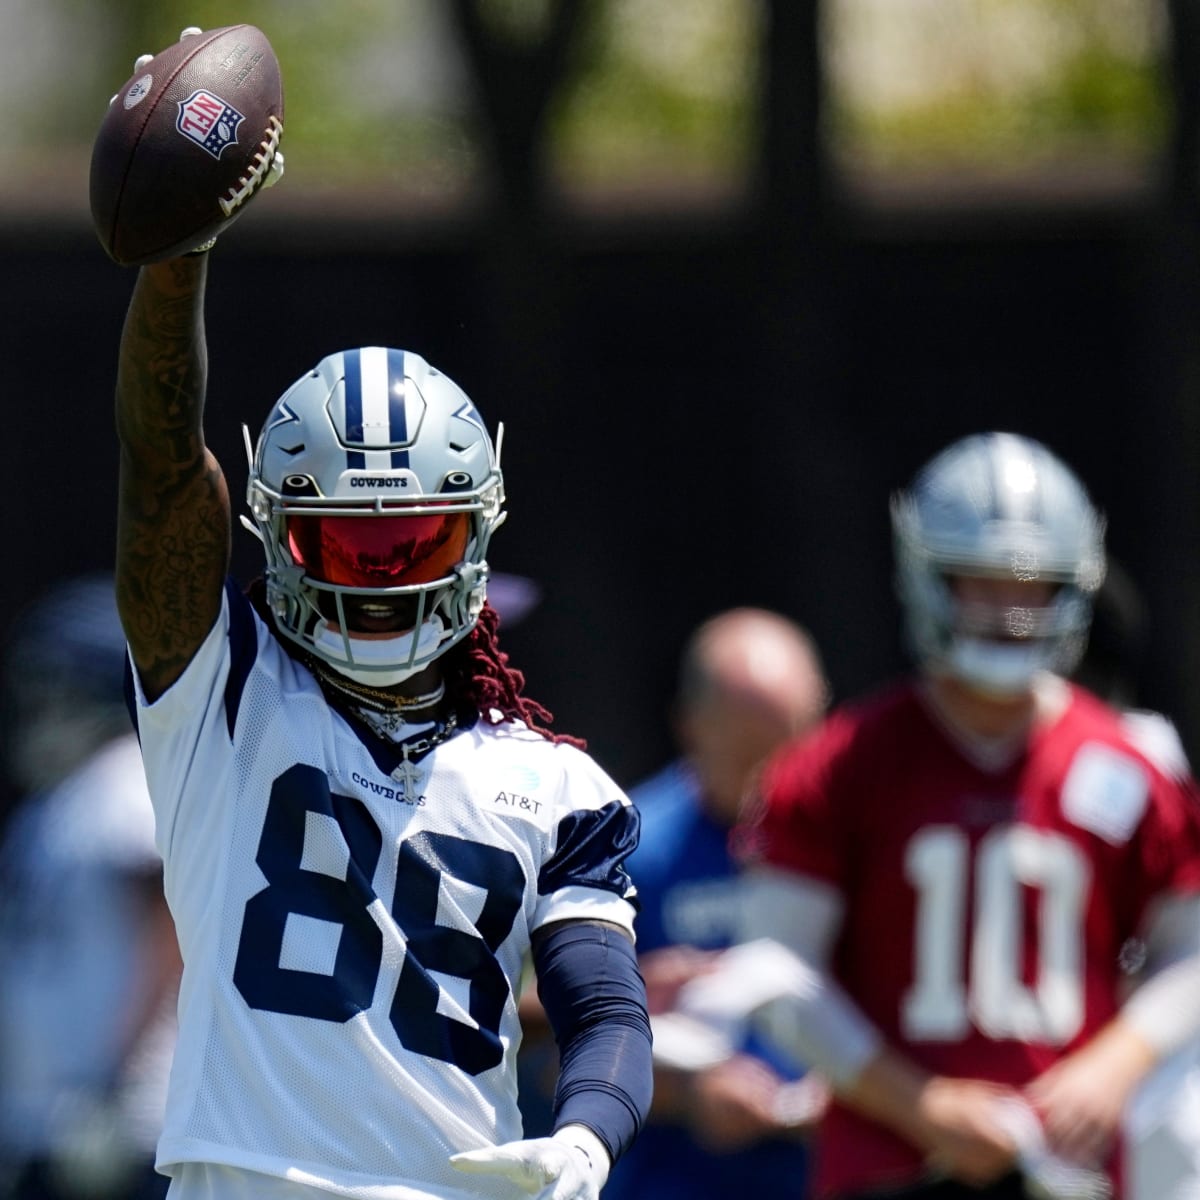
column 749, row 679
column 958, row 861
column 366, row 827
column 89, row 970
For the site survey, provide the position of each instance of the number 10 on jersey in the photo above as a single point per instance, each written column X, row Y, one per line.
column 955, row 985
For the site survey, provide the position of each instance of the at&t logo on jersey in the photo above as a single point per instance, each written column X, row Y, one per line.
column 513, row 800
column 208, row 121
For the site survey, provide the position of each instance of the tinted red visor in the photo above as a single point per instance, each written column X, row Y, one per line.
column 378, row 552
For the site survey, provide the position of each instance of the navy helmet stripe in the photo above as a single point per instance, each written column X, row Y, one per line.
column 397, row 416
column 352, row 380
column 397, row 407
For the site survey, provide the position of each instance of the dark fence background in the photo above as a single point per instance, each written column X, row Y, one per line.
column 699, row 412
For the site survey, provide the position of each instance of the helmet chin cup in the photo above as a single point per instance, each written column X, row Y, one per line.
column 1001, row 670
column 380, row 662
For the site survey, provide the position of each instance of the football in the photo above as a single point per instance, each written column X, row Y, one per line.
column 186, row 143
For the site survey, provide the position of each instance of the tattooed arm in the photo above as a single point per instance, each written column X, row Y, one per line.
column 173, row 518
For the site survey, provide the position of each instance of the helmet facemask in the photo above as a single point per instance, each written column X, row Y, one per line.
column 375, row 485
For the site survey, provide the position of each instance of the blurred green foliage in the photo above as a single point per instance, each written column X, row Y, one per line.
column 1094, row 109
column 664, row 92
column 1021, row 82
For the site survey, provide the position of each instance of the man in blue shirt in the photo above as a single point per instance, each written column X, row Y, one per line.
column 749, row 679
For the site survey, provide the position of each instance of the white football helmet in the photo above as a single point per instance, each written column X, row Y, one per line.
column 999, row 506
column 374, row 478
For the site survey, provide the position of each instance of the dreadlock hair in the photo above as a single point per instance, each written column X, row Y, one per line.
column 478, row 675
column 476, row 671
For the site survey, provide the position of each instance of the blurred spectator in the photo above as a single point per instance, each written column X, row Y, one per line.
column 88, row 963
column 726, row 1115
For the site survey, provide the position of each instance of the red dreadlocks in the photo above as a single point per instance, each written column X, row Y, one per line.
column 478, row 675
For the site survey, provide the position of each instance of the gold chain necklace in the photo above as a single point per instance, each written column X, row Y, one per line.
column 375, row 698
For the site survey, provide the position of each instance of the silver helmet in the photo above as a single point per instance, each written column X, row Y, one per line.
column 1000, row 506
column 374, row 479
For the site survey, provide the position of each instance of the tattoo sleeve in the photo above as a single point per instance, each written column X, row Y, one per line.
column 173, row 522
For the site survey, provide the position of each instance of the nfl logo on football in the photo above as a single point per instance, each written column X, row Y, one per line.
column 208, row 121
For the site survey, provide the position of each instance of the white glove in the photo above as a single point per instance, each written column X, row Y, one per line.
column 572, row 1164
column 1047, row 1175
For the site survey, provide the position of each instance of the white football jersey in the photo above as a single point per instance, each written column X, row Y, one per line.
column 353, row 946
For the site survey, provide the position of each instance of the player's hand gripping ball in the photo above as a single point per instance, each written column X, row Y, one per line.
column 186, row 143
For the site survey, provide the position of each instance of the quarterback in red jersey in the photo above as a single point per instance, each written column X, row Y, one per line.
column 959, row 863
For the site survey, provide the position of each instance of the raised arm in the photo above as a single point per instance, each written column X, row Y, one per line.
column 183, row 147
column 173, row 521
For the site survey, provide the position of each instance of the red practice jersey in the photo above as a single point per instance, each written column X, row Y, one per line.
column 985, row 910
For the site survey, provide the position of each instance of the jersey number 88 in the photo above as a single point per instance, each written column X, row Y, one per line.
column 424, row 859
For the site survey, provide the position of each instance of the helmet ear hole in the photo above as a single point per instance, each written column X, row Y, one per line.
column 300, row 485
column 456, row 481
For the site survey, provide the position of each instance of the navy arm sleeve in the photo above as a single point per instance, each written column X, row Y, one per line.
column 595, row 1001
